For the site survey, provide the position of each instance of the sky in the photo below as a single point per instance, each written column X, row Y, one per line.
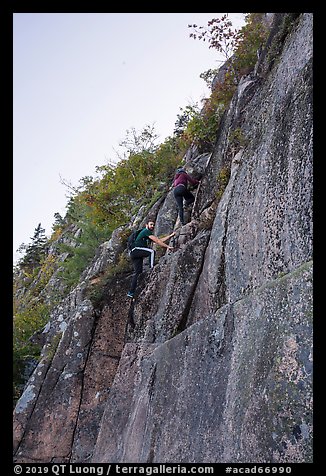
column 80, row 81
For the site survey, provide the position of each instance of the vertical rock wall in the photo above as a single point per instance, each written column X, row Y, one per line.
column 235, row 383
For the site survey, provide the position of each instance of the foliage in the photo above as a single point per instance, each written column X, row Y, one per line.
column 219, row 35
column 203, row 125
column 251, row 38
column 28, row 321
column 25, row 324
column 136, row 142
column 239, row 47
column 183, row 119
column 59, row 222
column 30, row 314
column 199, row 126
column 83, row 244
column 48, row 266
column 208, row 76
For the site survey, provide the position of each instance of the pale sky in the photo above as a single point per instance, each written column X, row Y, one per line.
column 80, row 80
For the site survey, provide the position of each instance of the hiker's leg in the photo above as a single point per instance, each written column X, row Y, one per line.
column 137, row 256
column 178, row 195
column 138, row 268
column 189, row 197
column 144, row 252
column 152, row 258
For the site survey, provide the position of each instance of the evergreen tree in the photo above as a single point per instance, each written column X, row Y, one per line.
column 59, row 222
column 36, row 250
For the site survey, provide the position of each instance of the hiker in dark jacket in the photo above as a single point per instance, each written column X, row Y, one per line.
column 141, row 250
column 180, row 190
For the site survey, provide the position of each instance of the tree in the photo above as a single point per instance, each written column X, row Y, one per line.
column 184, row 118
column 59, row 222
column 219, row 35
column 138, row 142
column 36, row 250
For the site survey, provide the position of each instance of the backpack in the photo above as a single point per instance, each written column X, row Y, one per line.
column 132, row 238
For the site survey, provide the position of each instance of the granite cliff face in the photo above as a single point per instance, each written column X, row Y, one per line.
column 213, row 360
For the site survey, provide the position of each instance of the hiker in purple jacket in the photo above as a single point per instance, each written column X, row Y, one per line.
column 180, row 190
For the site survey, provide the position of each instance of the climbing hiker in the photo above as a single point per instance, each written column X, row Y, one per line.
column 180, row 190
column 141, row 250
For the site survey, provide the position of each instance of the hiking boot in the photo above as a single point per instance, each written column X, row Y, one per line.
column 130, row 294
